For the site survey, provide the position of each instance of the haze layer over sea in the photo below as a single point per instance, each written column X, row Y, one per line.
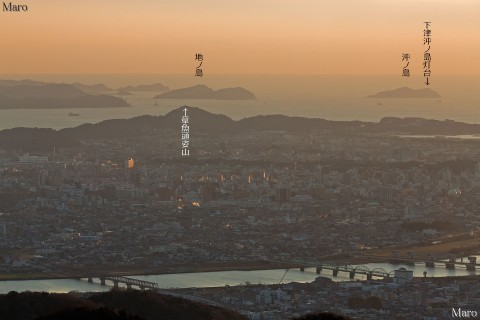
column 336, row 97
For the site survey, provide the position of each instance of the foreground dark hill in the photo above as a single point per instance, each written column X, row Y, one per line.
column 117, row 305
column 201, row 121
column 322, row 316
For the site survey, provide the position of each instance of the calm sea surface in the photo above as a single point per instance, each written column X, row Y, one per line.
column 328, row 97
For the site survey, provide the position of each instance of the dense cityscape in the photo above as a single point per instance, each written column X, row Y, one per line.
column 246, row 201
column 240, row 160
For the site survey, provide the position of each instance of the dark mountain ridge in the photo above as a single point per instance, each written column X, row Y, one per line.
column 201, row 121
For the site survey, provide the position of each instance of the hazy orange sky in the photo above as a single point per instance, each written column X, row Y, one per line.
column 247, row 36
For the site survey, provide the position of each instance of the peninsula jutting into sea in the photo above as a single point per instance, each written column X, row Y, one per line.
column 45, row 139
column 38, row 95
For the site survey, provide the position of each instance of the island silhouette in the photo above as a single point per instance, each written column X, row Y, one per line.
column 406, row 92
column 203, row 92
column 27, row 94
column 154, row 87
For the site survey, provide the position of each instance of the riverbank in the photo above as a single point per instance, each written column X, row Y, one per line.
column 149, row 270
column 458, row 246
column 461, row 245
column 210, row 278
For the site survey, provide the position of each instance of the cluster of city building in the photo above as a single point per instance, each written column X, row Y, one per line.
column 399, row 297
column 246, row 197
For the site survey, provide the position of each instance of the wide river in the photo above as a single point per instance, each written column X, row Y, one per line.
column 222, row 278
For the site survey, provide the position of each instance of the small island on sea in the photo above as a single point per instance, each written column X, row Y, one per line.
column 92, row 88
column 155, row 87
column 123, row 92
column 406, row 92
column 204, row 92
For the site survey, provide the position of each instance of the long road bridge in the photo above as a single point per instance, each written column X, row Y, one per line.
column 129, row 282
column 351, row 270
column 470, row 263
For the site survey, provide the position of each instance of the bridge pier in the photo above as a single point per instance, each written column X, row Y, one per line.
column 451, row 263
column 129, row 282
column 430, row 264
column 352, row 271
column 472, row 264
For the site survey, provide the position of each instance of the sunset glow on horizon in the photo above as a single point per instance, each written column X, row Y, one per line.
column 248, row 37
